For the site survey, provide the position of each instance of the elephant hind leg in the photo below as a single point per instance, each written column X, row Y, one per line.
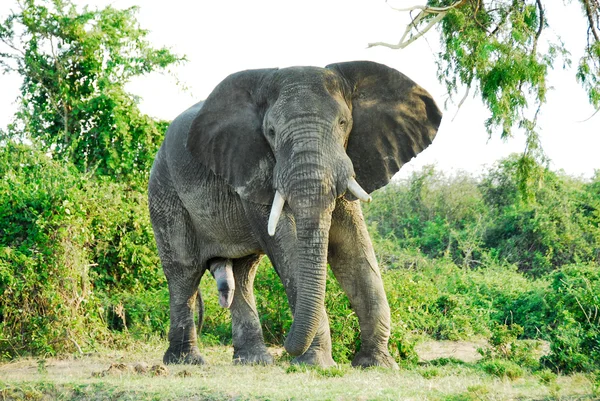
column 183, row 268
column 183, row 343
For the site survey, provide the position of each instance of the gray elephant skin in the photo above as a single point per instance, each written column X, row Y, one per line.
column 274, row 162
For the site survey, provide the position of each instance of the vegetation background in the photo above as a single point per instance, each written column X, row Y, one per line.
column 509, row 257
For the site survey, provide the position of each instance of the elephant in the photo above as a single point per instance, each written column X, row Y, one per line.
column 275, row 162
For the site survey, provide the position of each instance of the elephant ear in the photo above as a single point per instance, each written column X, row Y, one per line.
column 226, row 136
column 394, row 119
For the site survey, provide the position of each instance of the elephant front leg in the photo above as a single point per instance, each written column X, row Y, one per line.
column 353, row 263
column 248, row 343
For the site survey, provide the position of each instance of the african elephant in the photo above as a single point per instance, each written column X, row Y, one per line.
column 273, row 162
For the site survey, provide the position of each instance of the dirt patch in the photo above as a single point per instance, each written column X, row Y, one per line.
column 119, row 369
column 465, row 351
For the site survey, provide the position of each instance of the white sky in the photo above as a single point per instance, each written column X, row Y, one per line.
column 222, row 37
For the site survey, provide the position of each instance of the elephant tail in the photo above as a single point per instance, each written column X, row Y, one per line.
column 200, row 308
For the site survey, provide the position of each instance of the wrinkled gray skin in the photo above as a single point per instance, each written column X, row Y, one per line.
column 304, row 132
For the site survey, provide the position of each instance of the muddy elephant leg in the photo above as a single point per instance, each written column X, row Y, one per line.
column 183, row 344
column 248, row 343
column 176, row 241
column 353, row 262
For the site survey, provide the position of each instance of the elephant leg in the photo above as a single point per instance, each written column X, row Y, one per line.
column 176, row 242
column 353, row 262
column 183, row 343
column 248, row 343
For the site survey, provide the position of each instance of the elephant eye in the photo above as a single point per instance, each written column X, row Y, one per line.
column 343, row 122
column 271, row 132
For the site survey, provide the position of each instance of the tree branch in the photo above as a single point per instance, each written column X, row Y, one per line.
column 462, row 101
column 403, row 43
column 425, row 10
column 589, row 12
column 541, row 27
column 431, row 10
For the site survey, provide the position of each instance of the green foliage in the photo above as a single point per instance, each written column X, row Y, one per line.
column 46, row 299
column 476, row 222
column 492, row 48
column 429, row 372
column 501, row 50
column 334, row 371
column 502, row 368
column 546, row 376
column 438, row 215
column 65, row 239
column 272, row 304
column 503, row 345
column 556, row 226
column 75, row 64
column 574, row 329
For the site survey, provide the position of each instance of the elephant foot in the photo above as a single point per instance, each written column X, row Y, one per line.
column 367, row 359
column 315, row 358
column 191, row 357
column 255, row 356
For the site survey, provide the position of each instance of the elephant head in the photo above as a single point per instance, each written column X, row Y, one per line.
column 304, row 136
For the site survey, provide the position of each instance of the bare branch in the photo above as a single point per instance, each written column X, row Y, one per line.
column 590, row 117
column 425, row 10
column 403, row 43
column 431, row 10
column 462, row 101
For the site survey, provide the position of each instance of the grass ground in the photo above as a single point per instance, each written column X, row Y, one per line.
column 129, row 375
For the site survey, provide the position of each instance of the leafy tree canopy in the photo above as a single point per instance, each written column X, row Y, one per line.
column 502, row 50
column 75, row 64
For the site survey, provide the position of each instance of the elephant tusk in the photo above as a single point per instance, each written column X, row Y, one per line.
column 276, row 209
column 357, row 190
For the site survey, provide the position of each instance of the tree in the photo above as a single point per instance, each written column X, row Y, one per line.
column 73, row 103
column 498, row 49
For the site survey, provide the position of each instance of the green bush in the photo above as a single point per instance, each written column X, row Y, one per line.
column 475, row 220
column 574, row 319
column 502, row 368
column 557, row 225
column 66, row 240
column 46, row 298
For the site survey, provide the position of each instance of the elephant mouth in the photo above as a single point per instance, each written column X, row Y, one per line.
column 279, row 201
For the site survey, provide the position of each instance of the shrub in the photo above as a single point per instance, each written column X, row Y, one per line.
column 574, row 319
column 47, row 301
column 501, row 368
column 66, row 241
column 474, row 220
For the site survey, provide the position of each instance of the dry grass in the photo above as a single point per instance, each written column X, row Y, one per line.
column 82, row 378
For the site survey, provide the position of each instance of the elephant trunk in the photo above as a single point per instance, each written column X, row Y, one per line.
column 310, row 190
column 313, row 237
